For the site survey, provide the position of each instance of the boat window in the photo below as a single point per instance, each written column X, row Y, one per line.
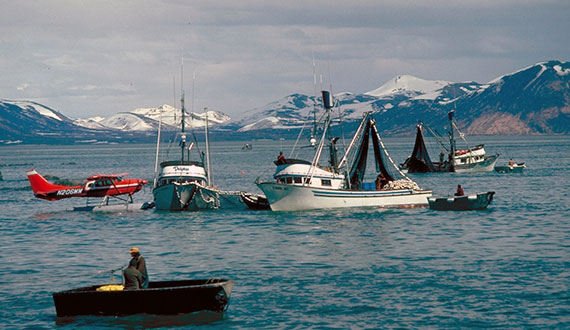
column 307, row 181
column 325, row 182
column 280, row 180
column 297, row 180
column 289, row 180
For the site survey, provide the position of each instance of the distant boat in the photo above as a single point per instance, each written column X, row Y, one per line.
column 477, row 201
column 511, row 168
column 451, row 159
column 304, row 185
column 166, row 297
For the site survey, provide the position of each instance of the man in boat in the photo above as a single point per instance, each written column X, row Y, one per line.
column 133, row 278
column 511, row 163
column 280, row 158
column 140, row 265
column 459, row 191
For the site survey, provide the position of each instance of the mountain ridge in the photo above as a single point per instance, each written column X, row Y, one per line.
column 532, row 100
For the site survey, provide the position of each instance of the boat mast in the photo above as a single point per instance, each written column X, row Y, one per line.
column 451, row 141
column 154, row 181
column 182, row 126
column 313, row 139
column 328, row 105
column 210, row 182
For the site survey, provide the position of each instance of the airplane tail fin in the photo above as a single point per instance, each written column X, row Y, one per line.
column 39, row 184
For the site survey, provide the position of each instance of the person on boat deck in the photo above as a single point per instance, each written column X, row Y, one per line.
column 133, row 278
column 511, row 162
column 281, row 158
column 381, row 181
column 459, row 191
column 140, row 265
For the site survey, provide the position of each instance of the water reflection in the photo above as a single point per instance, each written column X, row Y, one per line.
column 140, row 321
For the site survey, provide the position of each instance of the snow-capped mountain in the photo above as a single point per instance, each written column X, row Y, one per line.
column 410, row 86
column 20, row 119
column 147, row 119
column 533, row 100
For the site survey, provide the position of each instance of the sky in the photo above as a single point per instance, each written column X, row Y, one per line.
column 98, row 58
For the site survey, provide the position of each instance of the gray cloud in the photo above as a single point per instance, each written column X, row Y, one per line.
column 100, row 58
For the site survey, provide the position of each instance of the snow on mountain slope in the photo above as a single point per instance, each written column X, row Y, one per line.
column 410, row 85
column 268, row 122
column 40, row 108
column 127, row 122
column 93, row 123
column 171, row 116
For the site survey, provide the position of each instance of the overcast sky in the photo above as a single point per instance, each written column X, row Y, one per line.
column 98, row 58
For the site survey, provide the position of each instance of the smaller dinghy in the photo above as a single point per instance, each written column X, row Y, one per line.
column 165, row 297
column 255, row 201
column 511, row 168
column 477, row 201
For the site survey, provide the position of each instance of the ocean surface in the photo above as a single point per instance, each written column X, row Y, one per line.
column 368, row 268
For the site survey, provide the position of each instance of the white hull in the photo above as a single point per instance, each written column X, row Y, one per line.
column 284, row 197
column 485, row 166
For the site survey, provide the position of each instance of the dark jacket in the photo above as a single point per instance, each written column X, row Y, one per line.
column 141, row 267
column 133, row 278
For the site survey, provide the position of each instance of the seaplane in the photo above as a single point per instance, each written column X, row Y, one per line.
column 106, row 186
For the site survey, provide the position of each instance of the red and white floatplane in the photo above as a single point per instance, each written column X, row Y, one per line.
column 105, row 186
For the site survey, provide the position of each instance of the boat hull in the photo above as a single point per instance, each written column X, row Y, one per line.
column 477, row 201
column 167, row 297
column 255, row 201
column 174, row 197
column 510, row 169
column 484, row 166
column 284, row 197
column 194, row 197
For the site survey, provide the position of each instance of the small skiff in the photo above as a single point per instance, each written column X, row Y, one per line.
column 255, row 201
column 165, row 297
column 515, row 168
column 477, row 201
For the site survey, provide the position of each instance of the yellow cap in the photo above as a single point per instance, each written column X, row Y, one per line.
column 134, row 249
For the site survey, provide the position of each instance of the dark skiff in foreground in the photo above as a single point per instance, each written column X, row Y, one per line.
column 477, row 201
column 167, row 297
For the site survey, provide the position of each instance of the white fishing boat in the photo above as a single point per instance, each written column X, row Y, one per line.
column 466, row 160
column 186, row 184
column 304, row 185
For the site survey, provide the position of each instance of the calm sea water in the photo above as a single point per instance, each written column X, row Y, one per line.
column 505, row 267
